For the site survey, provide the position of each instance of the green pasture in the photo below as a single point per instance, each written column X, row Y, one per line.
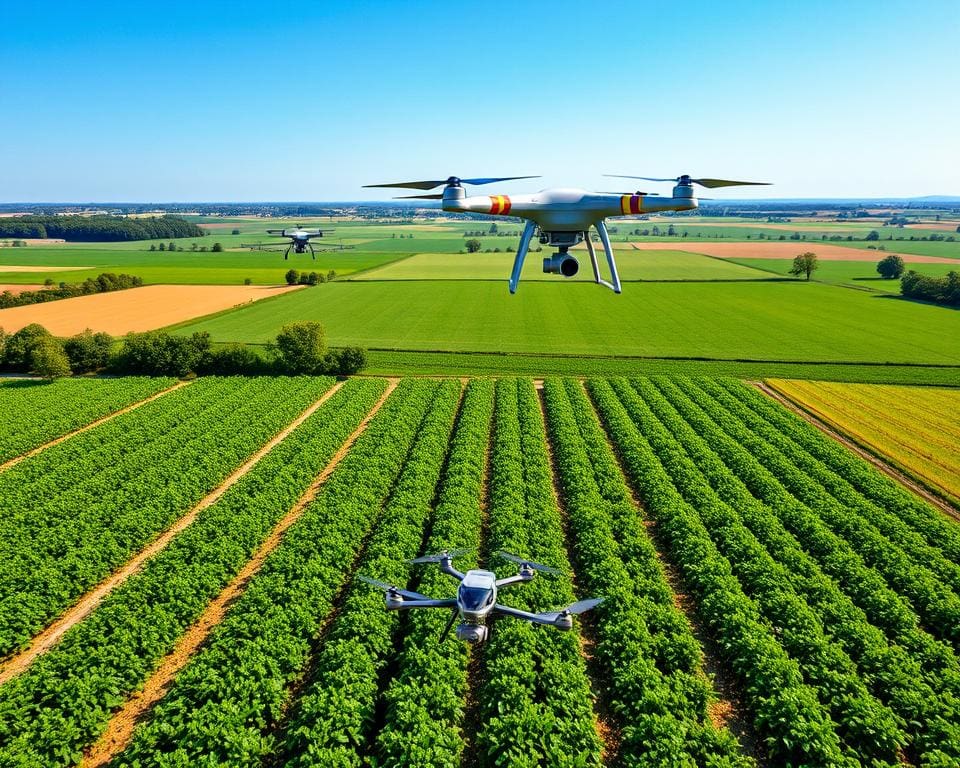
column 747, row 320
column 856, row 274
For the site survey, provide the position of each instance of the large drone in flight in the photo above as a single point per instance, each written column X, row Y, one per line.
column 297, row 238
column 476, row 599
column 562, row 217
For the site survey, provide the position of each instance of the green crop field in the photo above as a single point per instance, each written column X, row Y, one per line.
column 856, row 274
column 825, row 596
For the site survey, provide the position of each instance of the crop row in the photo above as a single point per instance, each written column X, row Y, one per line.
column 894, row 676
column 227, row 702
column 649, row 656
column 757, row 410
column 426, row 697
column 57, row 547
column 50, row 713
column 794, row 725
column 331, row 721
column 34, row 413
column 866, row 727
column 535, row 700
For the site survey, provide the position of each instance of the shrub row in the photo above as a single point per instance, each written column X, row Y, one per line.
column 35, row 413
column 80, row 509
column 866, row 727
column 226, row 704
column 63, row 702
column 897, row 678
column 795, row 727
column 331, row 721
column 102, row 283
column 535, row 699
column 655, row 682
column 426, row 697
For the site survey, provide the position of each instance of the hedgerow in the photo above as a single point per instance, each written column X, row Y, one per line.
column 51, row 712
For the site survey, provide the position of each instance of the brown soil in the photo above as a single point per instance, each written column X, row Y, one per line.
column 17, row 289
column 942, row 226
column 764, row 249
column 135, row 309
column 43, row 642
column 91, row 425
column 877, row 461
column 121, row 727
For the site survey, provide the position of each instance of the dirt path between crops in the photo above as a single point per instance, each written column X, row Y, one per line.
column 126, row 409
column 728, row 710
column 604, row 721
column 120, row 730
column 878, row 462
column 50, row 636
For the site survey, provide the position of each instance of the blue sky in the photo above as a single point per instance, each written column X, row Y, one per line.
column 109, row 101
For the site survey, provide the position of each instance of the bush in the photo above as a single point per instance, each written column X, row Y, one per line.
column 248, row 281
column 891, row 267
column 234, row 231
column 942, row 290
column 302, row 348
column 88, row 351
column 233, row 360
column 20, row 346
column 157, row 353
column 48, row 359
column 346, row 361
column 292, row 277
column 217, row 248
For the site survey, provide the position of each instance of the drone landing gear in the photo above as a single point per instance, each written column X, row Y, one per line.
column 286, row 253
column 313, row 253
column 524, row 247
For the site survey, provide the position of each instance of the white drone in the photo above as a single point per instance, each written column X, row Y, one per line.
column 562, row 217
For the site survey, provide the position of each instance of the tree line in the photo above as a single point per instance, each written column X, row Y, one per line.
column 100, row 228
column 940, row 290
column 299, row 349
column 102, row 283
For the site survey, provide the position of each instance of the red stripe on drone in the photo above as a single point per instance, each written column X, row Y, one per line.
column 636, row 203
column 506, row 205
column 494, row 204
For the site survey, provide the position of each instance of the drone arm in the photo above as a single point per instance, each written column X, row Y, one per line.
column 406, row 604
column 522, row 249
column 536, row 618
column 522, row 576
column 446, row 566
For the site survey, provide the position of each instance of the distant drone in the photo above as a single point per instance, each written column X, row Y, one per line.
column 562, row 217
column 299, row 240
column 476, row 598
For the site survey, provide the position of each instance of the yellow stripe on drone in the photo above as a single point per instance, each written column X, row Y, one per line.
column 625, row 204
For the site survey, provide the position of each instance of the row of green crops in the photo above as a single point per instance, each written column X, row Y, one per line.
column 226, row 703
column 425, row 700
column 866, row 728
column 331, row 721
column 915, row 675
column 795, row 726
column 535, row 700
column 33, row 413
column 64, row 700
column 650, row 659
column 76, row 511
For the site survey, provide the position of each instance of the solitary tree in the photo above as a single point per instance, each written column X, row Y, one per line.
column 891, row 267
column 473, row 245
column 872, row 235
column 302, row 347
column 217, row 248
column 804, row 264
column 172, row 246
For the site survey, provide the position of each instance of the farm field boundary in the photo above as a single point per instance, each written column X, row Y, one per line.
column 88, row 602
column 865, row 452
column 33, row 452
column 120, row 730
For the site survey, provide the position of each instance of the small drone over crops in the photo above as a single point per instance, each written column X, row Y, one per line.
column 298, row 239
column 562, row 217
column 476, row 598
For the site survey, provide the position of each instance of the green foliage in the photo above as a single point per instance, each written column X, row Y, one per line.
column 292, row 276
column 302, row 347
column 99, row 228
column 19, row 347
column 233, row 360
column 891, row 266
column 217, row 248
column 88, row 351
column 804, row 264
column 47, row 359
column 941, row 290
column 346, row 361
column 473, row 245
column 157, row 353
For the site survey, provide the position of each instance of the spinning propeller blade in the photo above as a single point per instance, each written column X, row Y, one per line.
column 390, row 588
column 418, row 197
column 451, row 553
column 708, row 183
column 450, row 181
column 581, row 606
column 524, row 561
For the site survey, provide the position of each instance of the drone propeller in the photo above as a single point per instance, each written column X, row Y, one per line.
column 581, row 606
column 419, row 197
column 452, row 181
column 390, row 588
column 446, row 554
column 524, row 562
column 708, row 183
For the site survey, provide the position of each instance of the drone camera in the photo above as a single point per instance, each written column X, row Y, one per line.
column 471, row 633
column 561, row 264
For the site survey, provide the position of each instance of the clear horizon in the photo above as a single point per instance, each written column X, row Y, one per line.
column 302, row 101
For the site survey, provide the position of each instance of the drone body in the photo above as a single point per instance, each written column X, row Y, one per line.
column 562, row 217
column 298, row 239
column 476, row 599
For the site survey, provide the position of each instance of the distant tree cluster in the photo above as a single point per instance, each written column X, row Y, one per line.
column 299, row 349
column 103, row 283
column 100, row 228
column 296, row 277
column 941, row 290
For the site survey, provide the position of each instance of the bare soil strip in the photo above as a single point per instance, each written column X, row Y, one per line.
column 764, row 249
column 728, row 709
column 877, row 461
column 34, row 451
column 50, row 636
column 121, row 727
column 603, row 719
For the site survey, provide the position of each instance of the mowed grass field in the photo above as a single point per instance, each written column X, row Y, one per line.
column 916, row 429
